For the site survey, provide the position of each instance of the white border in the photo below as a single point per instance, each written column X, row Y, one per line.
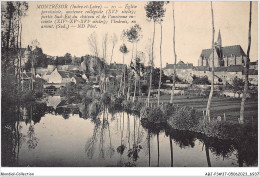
column 134, row 171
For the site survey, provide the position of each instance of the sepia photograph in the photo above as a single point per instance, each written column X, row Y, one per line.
column 129, row 84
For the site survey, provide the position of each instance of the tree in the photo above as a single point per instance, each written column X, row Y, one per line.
column 247, row 60
column 113, row 40
column 104, row 49
column 212, row 68
column 175, row 56
column 140, row 61
column 68, row 58
column 133, row 35
column 160, row 81
column 154, row 12
column 104, row 45
column 7, row 14
column 11, row 36
column 92, row 41
column 237, row 85
column 155, row 77
column 123, row 49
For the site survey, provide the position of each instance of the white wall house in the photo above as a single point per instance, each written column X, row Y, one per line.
column 59, row 77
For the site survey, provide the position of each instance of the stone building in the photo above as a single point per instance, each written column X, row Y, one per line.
column 223, row 56
column 183, row 70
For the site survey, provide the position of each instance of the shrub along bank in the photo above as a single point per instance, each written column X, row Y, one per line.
column 185, row 118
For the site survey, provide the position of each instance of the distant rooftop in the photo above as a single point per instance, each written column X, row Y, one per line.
column 179, row 65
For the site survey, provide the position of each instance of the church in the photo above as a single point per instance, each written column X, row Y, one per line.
column 223, row 56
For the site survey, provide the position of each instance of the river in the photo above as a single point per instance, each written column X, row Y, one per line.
column 53, row 136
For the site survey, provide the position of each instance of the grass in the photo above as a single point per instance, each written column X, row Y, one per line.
column 219, row 106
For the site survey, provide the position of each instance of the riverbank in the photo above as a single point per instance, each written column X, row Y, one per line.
column 186, row 113
column 220, row 105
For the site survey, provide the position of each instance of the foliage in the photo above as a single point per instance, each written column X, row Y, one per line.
column 105, row 98
column 27, row 96
column 94, row 108
column 40, row 58
column 136, row 106
column 184, row 118
column 155, row 77
column 120, row 149
column 133, row 153
column 155, row 115
column 133, row 34
column 200, row 80
column 38, row 94
column 238, row 85
column 123, row 49
column 144, row 88
column 93, row 65
column 182, row 138
column 154, row 10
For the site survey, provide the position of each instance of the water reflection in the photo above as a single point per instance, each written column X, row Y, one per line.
column 56, row 133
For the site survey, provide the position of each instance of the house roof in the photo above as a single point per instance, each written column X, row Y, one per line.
column 65, row 74
column 254, row 63
column 79, row 79
column 73, row 67
column 251, row 72
column 115, row 66
column 201, row 68
column 26, row 75
column 220, row 69
column 179, row 65
column 235, row 68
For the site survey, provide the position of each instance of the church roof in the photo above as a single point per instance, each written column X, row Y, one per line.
column 234, row 50
column 206, row 53
column 227, row 51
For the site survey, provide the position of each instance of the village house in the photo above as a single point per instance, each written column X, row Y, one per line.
column 252, row 76
column 183, row 70
column 77, row 80
column 68, row 67
column 59, row 77
column 253, row 65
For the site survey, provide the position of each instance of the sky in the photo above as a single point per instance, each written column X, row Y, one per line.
column 193, row 31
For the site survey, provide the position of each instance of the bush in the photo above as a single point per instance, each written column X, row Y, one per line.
column 127, row 104
column 116, row 103
column 38, row 94
column 200, row 80
column 27, row 96
column 156, row 115
column 184, row 118
column 136, row 106
column 145, row 112
column 168, row 110
column 105, row 98
column 94, row 108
